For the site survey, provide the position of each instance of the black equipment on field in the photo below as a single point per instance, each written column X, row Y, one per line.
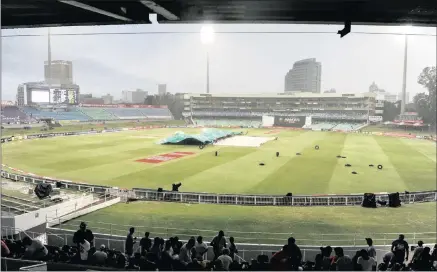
column 43, row 190
column 216, row 153
column 369, row 200
column 382, row 202
column 175, row 187
column 160, row 190
column 394, row 200
column 277, row 154
column 316, row 147
column 379, row 166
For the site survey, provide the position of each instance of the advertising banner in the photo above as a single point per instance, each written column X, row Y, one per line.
column 290, row 121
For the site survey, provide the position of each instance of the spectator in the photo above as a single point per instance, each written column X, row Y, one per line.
column 129, row 245
column 327, row 260
column 295, row 253
column 343, row 262
column 100, row 256
column 84, row 233
column 366, row 262
column 5, row 250
column 156, row 249
column 225, row 259
column 201, row 248
column 232, row 248
column 279, row 259
column 35, row 250
column 145, row 243
column 84, row 247
column 176, row 244
column 185, row 252
column 424, row 261
column 400, row 249
column 389, row 258
column 417, row 251
column 357, row 267
column 371, row 249
column 218, row 243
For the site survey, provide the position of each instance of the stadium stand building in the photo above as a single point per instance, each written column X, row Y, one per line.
column 307, row 110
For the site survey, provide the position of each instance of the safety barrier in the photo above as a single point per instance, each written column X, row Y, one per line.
column 229, row 199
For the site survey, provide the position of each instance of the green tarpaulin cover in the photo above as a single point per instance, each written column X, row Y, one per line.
column 207, row 136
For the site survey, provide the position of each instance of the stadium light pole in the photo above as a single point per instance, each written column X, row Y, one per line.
column 207, row 38
column 406, row 29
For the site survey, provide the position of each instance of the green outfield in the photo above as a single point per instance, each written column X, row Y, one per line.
column 269, row 225
column 110, row 159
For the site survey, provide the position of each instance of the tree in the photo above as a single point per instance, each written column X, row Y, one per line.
column 427, row 102
column 391, row 111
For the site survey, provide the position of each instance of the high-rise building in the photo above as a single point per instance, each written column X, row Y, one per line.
column 134, row 97
column 304, row 77
column 162, row 89
column 108, row 99
column 20, row 95
column 59, row 72
column 331, row 91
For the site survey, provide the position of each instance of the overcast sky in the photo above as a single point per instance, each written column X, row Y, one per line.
column 239, row 63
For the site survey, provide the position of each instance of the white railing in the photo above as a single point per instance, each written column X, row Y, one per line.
column 229, row 199
column 252, row 237
column 309, row 248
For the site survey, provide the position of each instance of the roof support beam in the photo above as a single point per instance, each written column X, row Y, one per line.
column 159, row 10
column 96, row 10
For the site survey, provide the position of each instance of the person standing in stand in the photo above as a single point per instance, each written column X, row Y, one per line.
column 129, row 245
column 400, row 249
column 83, row 233
column 218, row 243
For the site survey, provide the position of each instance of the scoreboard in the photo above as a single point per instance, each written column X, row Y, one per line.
column 63, row 96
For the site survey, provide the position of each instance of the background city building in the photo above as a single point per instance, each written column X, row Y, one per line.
column 108, row 99
column 305, row 76
column 61, row 72
column 162, row 89
column 134, row 97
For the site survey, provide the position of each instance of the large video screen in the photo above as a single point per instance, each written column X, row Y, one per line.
column 40, row 96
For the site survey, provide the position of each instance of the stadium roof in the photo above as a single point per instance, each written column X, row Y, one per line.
column 285, row 95
column 41, row 13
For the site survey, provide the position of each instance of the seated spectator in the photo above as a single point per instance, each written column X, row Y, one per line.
column 5, row 250
column 343, row 262
column 366, row 262
column 232, row 248
column 417, row 251
column 357, row 267
column 35, row 250
column 176, row 244
column 424, row 262
column 145, row 243
column 185, row 252
column 278, row 261
column 100, row 256
column 201, row 248
column 371, row 249
column 225, row 259
column 389, row 258
column 156, row 250
column 327, row 259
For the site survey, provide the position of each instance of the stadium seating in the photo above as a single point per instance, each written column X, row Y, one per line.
column 72, row 114
column 171, row 255
column 126, row 113
column 227, row 123
column 348, row 126
column 98, row 114
column 155, row 112
column 12, row 114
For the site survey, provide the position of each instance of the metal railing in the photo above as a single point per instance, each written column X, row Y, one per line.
column 119, row 230
column 229, row 199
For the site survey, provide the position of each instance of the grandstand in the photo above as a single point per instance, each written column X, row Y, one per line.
column 327, row 111
column 11, row 114
column 91, row 113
